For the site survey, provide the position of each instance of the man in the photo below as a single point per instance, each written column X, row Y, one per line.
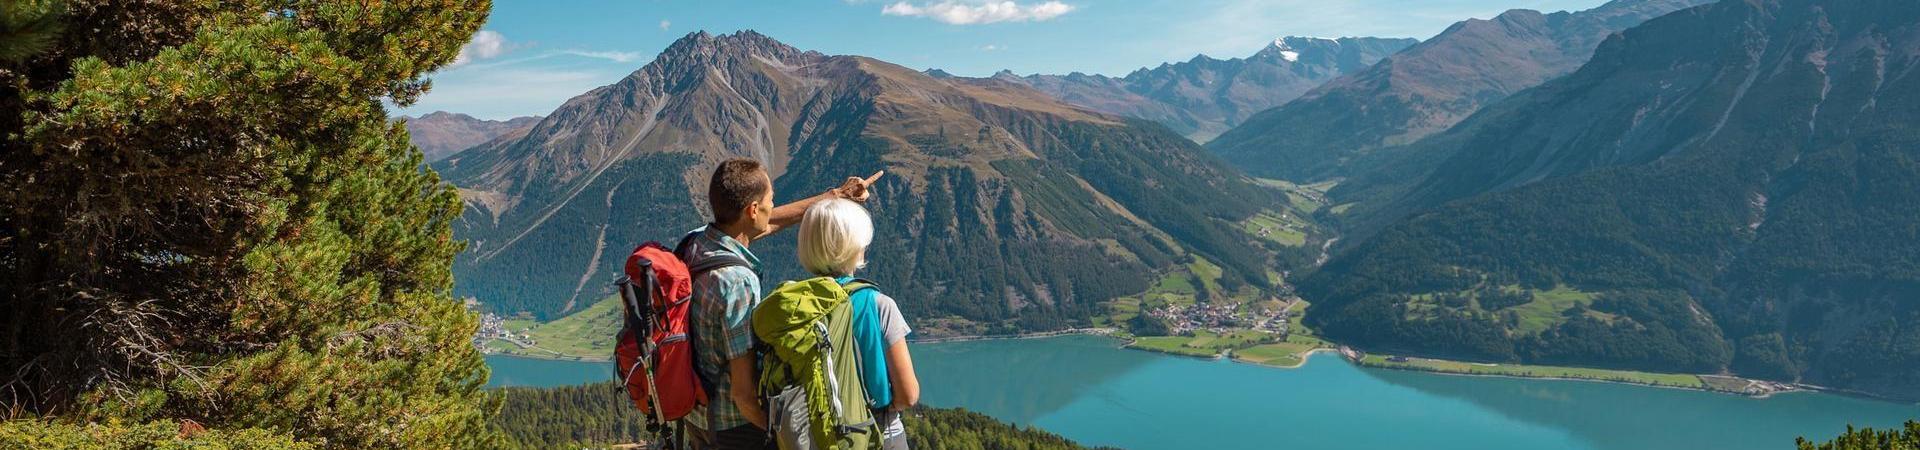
column 741, row 196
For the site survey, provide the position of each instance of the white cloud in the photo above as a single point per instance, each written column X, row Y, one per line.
column 664, row 24
column 606, row 55
column 485, row 44
column 992, row 48
column 957, row 12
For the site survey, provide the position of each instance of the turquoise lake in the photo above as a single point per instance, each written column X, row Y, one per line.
column 1090, row 390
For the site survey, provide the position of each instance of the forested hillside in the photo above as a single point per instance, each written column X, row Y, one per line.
column 1001, row 210
column 601, row 415
column 1730, row 187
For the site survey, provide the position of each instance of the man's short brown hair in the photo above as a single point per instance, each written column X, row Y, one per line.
column 736, row 183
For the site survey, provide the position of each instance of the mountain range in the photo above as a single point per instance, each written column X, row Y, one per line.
column 1203, row 97
column 440, row 134
column 1002, row 208
column 1728, row 188
column 1424, row 89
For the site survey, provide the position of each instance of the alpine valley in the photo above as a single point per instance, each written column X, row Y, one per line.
column 1723, row 189
column 1009, row 210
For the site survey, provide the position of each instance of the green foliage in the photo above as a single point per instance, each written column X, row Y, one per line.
column 1653, row 330
column 27, row 28
column 207, row 216
column 570, row 417
column 1869, row 439
column 599, row 415
column 959, row 429
column 1161, row 184
column 161, row 435
column 1765, row 356
column 1147, row 325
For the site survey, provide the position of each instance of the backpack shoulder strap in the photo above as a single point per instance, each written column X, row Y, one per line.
column 856, row 285
column 686, row 242
column 712, row 263
column 706, row 264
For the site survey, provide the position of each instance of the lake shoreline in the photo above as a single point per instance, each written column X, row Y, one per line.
column 1590, row 380
column 1107, row 332
column 1304, row 357
column 1308, row 355
column 1128, row 344
column 556, row 356
column 1086, row 388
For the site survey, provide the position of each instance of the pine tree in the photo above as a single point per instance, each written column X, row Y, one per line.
column 206, row 215
column 1907, row 438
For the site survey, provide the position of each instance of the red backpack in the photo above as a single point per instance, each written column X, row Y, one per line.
column 654, row 351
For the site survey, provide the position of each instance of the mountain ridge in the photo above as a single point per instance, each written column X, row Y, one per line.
column 1424, row 89
column 977, row 208
column 1204, row 96
column 440, row 134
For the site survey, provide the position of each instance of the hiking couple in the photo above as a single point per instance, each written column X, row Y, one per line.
column 727, row 310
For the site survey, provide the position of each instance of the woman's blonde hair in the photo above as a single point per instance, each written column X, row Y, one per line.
column 834, row 235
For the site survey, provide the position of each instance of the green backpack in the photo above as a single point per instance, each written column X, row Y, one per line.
column 811, row 377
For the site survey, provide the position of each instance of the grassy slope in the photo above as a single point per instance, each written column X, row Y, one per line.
column 1172, row 344
column 587, row 333
column 1548, row 308
column 1283, row 354
column 1283, row 228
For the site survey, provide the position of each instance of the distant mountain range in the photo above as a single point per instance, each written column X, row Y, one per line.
column 1650, row 184
column 1733, row 187
column 1002, row 208
column 1424, row 89
column 440, row 134
column 1203, row 97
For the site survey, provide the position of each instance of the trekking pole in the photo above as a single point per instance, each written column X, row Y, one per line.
column 648, row 349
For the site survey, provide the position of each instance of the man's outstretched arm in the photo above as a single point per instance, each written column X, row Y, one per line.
column 855, row 188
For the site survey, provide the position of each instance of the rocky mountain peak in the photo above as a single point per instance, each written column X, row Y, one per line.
column 701, row 47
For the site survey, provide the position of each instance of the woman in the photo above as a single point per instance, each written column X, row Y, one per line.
column 834, row 235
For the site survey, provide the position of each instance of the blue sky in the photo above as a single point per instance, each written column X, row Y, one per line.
column 533, row 55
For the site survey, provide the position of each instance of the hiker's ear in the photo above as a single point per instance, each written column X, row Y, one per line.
column 753, row 210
